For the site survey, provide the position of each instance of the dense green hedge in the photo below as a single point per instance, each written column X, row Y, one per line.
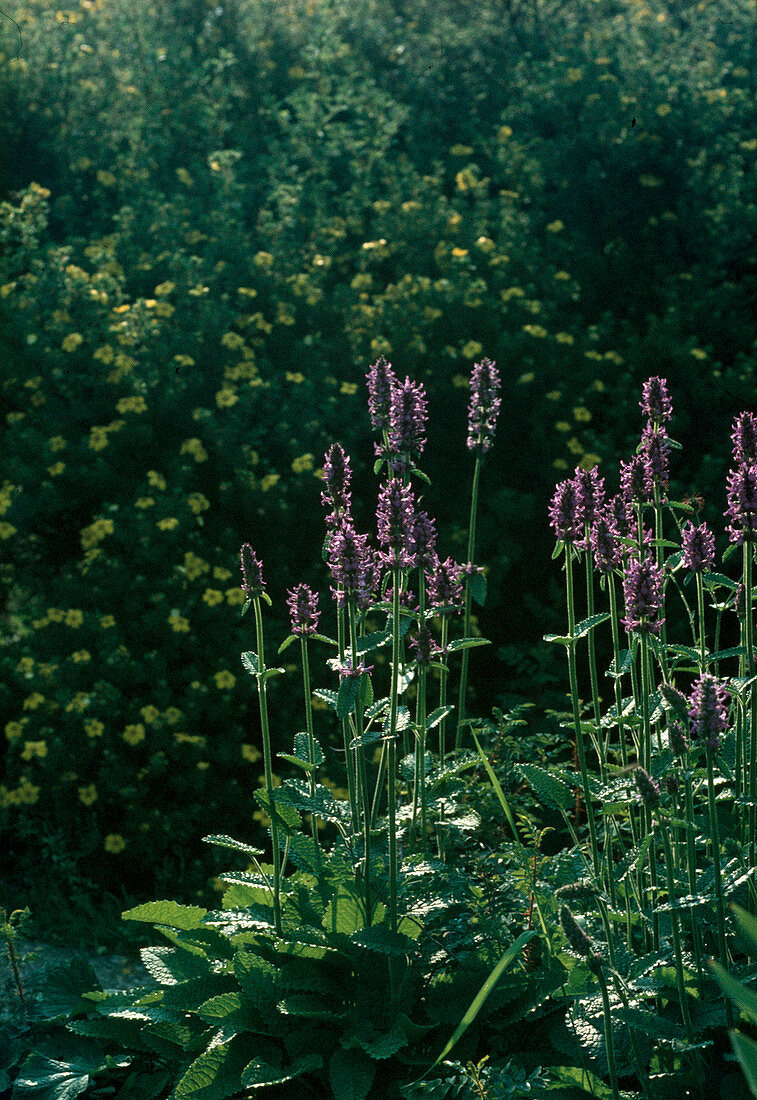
column 214, row 218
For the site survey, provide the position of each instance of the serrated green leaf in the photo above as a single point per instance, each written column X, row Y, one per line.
column 169, row 913
column 549, row 788
column 66, row 984
column 382, row 940
column 369, row 642
column 587, row 625
column 327, row 695
column 216, row 1074
column 323, row 638
column 259, row 1073
column 345, row 912
column 438, row 716
column 169, row 965
column 558, row 639
column 347, row 696
column 286, row 644
column 220, row 840
column 58, row 1070
column 351, row 1074
column 465, row 643
column 251, row 662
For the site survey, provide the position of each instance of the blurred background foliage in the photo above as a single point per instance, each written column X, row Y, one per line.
column 214, row 217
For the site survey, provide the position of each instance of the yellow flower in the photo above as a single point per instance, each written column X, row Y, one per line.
column 107, row 179
column 348, row 388
column 144, row 502
column 615, row 358
column 526, row 378
column 269, row 481
column 560, row 464
column 94, row 728
column 232, row 340
column 562, row 426
column 106, row 622
column 459, row 253
column 212, row 597
column 56, row 469
column 574, row 446
column 555, row 226
column 582, row 414
column 564, row 338
column 155, row 480
column 649, row 181
column 504, row 133
column 7, row 530
column 81, row 656
column 535, row 330
column 589, row 461
column 461, row 150
column 221, row 574
column 472, row 349
column 104, row 354
column 179, row 624
column 698, row 353
column 512, row 292
column 27, row 792
column 13, row 730
column 134, row 733
column 184, row 360
column 57, row 443
column 663, row 109
column 72, row 341
column 194, row 566
column 263, row 260
column 188, row 739
column 88, row 795
column 172, row 715
column 194, row 448
column 574, row 75
column 98, row 438
column 150, row 714
column 114, row 843
column 167, row 524
column 235, row 597
column 198, row 503
column 250, row 753
column 164, row 288
column 227, row 397
column 33, row 701
column 34, row 749
column 562, row 275
column 135, row 404
column 25, row 665
column 307, row 461
column 225, row 680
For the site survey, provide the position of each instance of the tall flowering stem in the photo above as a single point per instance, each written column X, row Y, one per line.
column 391, row 779
column 752, row 726
column 573, row 675
column 483, row 411
column 263, row 701
column 361, row 768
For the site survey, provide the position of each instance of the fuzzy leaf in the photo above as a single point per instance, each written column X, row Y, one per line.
column 369, row 642
column 169, row 913
column 169, row 966
column 214, row 1075
column 64, row 986
column 327, row 695
column 381, row 939
column 58, row 1070
column 587, row 625
column 220, row 840
column 286, row 644
column 259, row 1074
column 438, row 716
column 744, row 998
column 477, row 588
column 251, row 662
column 347, row 695
column 465, row 643
column 345, row 912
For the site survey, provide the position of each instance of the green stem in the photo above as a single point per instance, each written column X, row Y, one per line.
column 467, row 613
column 309, row 726
column 682, row 994
column 576, row 713
column 592, row 645
column 609, row 1040
column 361, row 769
column 751, row 726
column 700, row 612
column 263, row 700
column 391, row 778
column 346, row 738
column 442, row 732
column 646, row 763
column 715, row 836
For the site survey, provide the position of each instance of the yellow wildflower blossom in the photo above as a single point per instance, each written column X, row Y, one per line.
column 649, row 181
column 235, row 597
column 564, row 338
column 269, row 481
column 134, row 733
column 172, row 715
column 224, row 679
column 27, row 792
column 294, row 376
column 167, row 524
column 535, row 330
column 512, row 292
column 221, row 574
column 56, row 469
column 57, row 443
column 212, row 597
column 33, row 701
column 81, row 656
column 698, row 353
column 98, row 438
column 574, row 75
column 94, row 728
column 198, row 503
column 306, row 461
column 164, row 288
column 232, row 340
column 88, row 795
column 106, row 622
column 194, row 566
column 150, row 714
column 135, row 404
column 226, row 397
column 194, row 448
column 72, row 341
column 556, row 226
column 581, row 414
column 34, row 749
column 144, row 502
column 562, row 426
column 179, row 624
column 250, row 753
column 155, row 480
column 14, row 730
column 114, row 843
column 588, row 461
column 7, row 530
column 574, row 446
column 472, row 349
column 25, row 665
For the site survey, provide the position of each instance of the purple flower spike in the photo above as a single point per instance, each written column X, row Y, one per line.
column 590, row 493
column 642, row 589
column 395, row 518
column 708, row 711
column 252, row 572
column 407, row 426
column 698, row 547
column 484, row 404
column 352, row 672
column 745, row 438
column 656, row 449
column 352, row 566
column 303, row 610
column 579, row 940
column 381, row 381
column 337, row 475
column 678, row 741
column 424, row 539
column 604, row 542
column 656, row 403
column 636, row 482
column 623, row 515
column 424, row 647
column 649, row 791
column 444, row 583
column 565, row 514
column 742, row 504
